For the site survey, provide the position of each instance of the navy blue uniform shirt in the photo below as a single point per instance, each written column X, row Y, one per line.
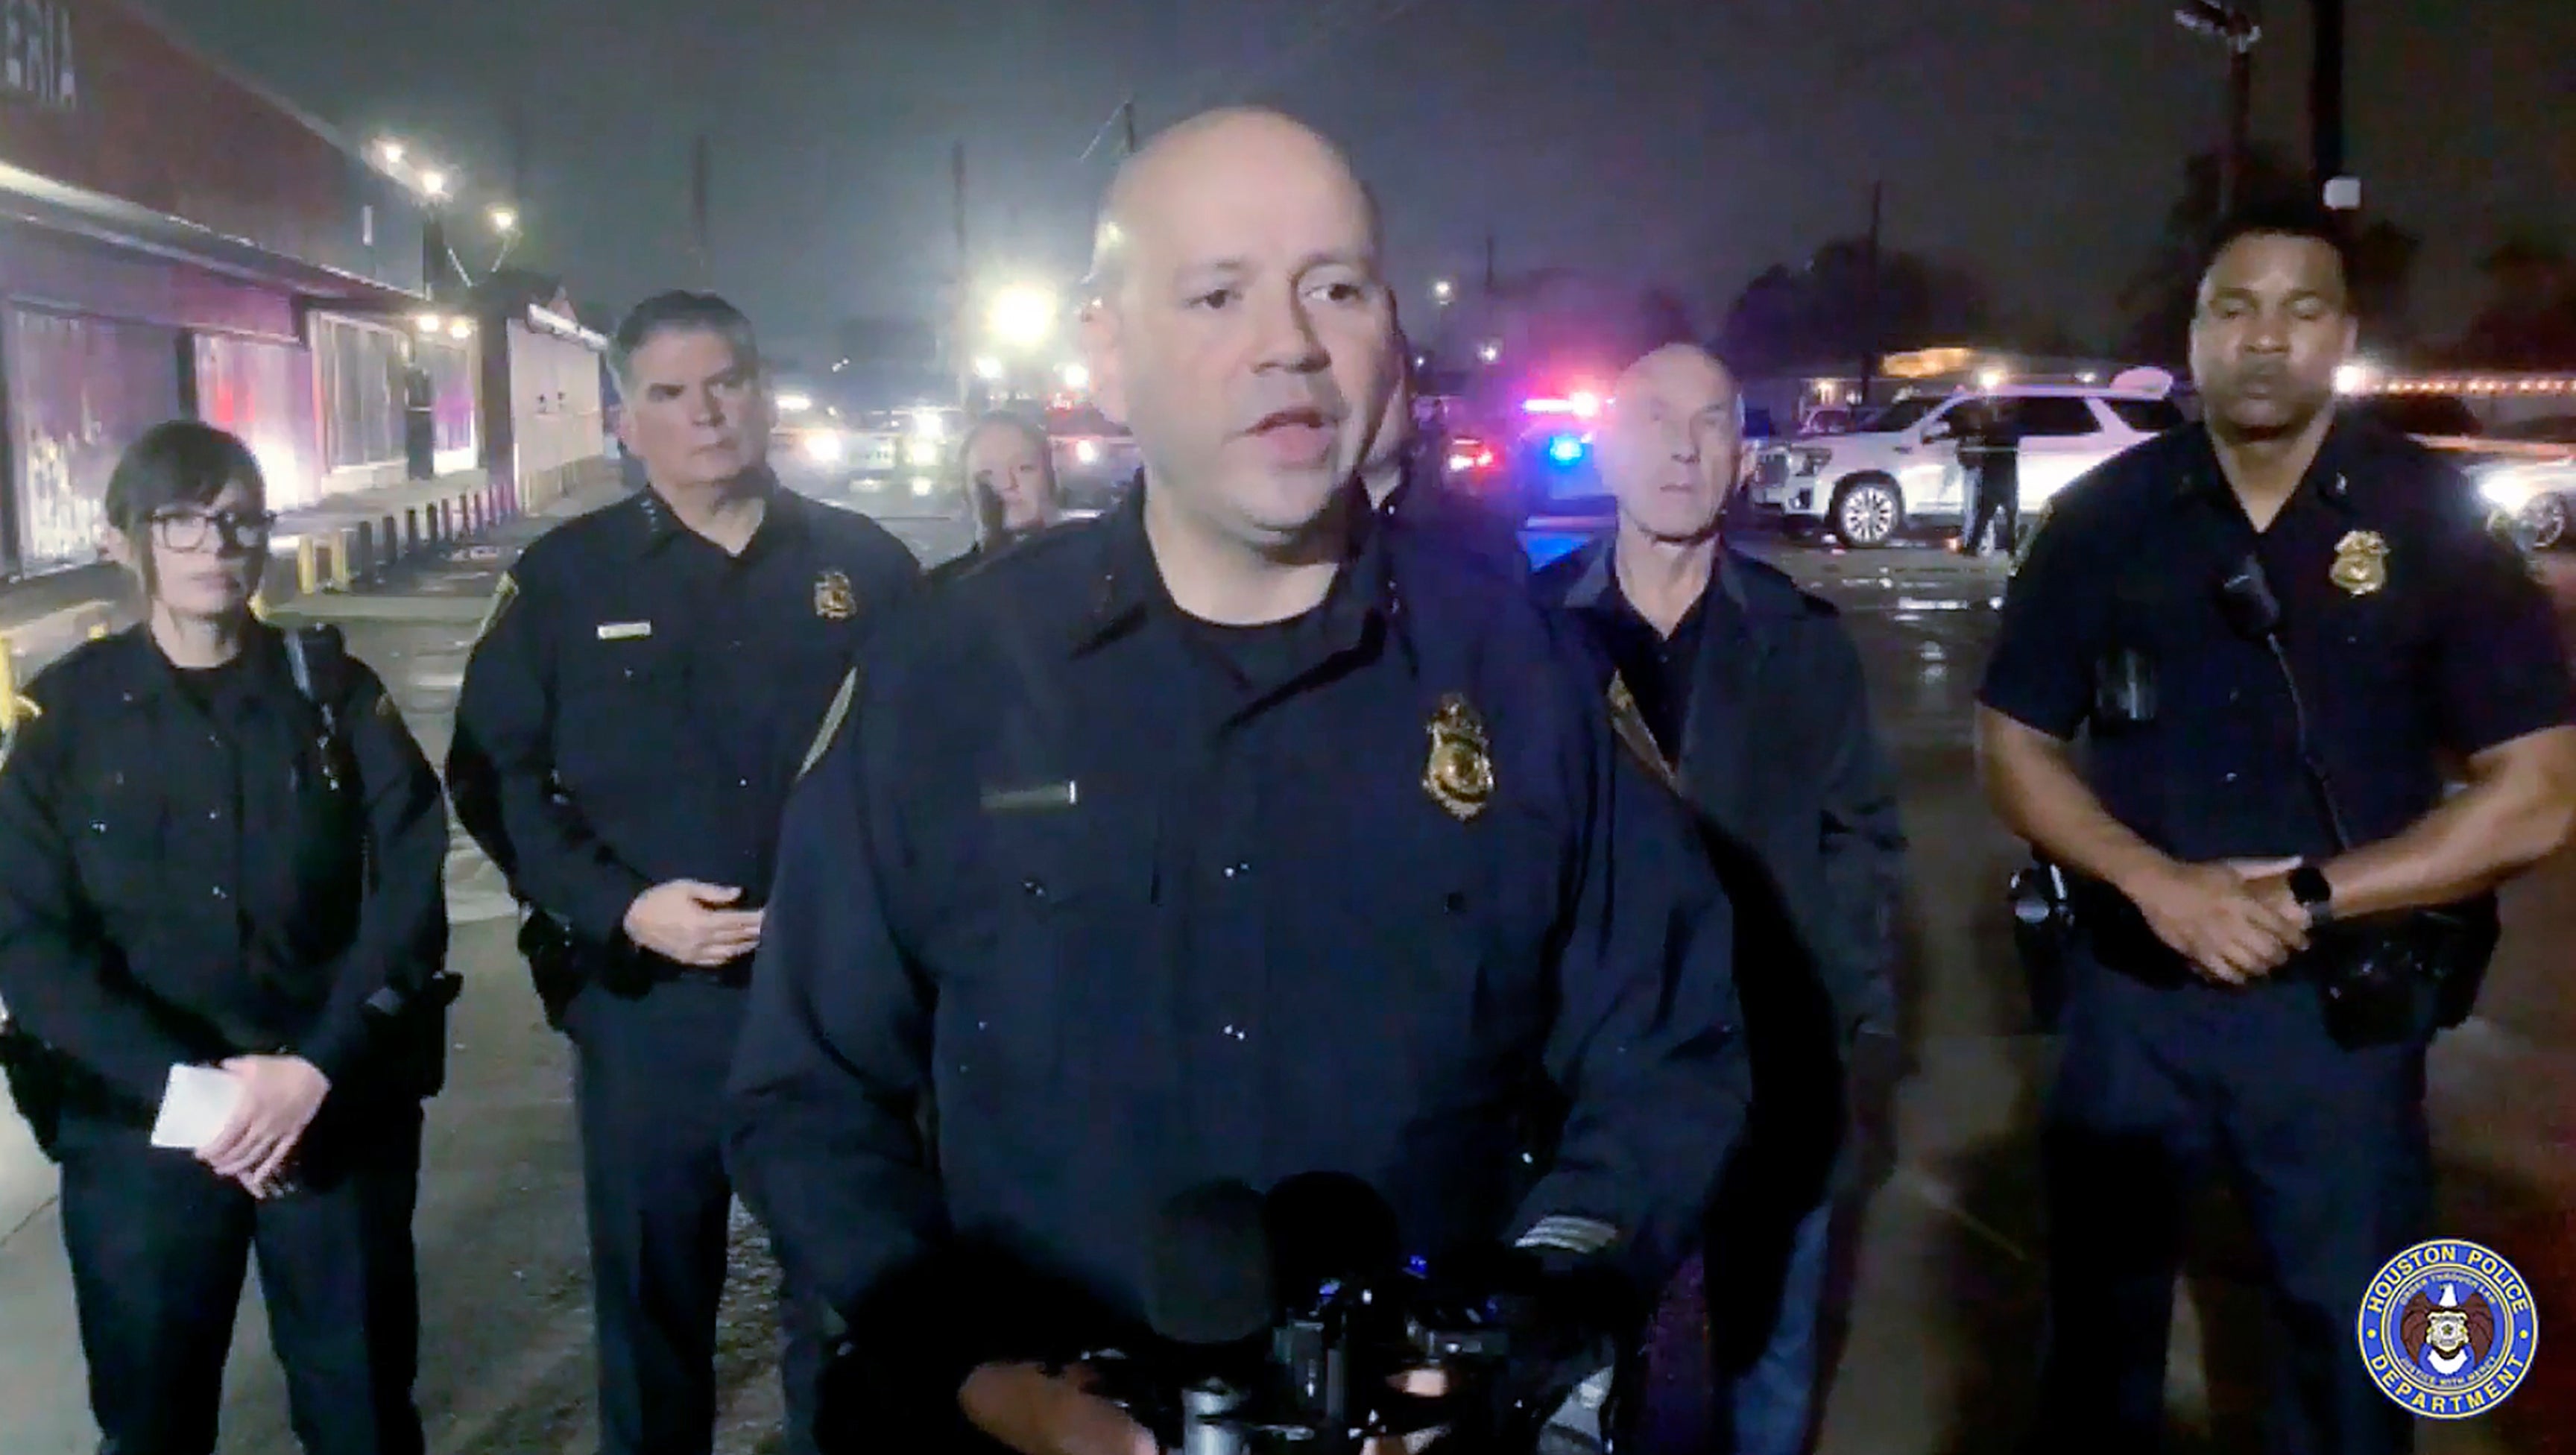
column 1133, row 903
column 639, row 703
column 187, row 874
column 2413, row 632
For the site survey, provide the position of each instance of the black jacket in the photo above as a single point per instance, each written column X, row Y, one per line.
column 186, row 883
column 1133, row 926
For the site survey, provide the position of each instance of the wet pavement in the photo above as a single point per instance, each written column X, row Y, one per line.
column 1939, row 1341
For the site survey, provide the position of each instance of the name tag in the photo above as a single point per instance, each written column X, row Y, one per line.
column 1032, row 799
column 624, row 631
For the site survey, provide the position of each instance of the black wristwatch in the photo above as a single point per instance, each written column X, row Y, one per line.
column 2309, row 887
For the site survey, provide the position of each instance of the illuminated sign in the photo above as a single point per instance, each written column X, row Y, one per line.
column 36, row 52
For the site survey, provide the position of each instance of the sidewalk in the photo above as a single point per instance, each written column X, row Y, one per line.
column 339, row 544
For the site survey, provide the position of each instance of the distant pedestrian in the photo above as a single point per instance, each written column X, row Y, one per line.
column 222, row 863
column 1006, row 466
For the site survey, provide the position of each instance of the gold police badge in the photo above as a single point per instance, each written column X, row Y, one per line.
column 1460, row 773
column 2361, row 562
column 833, row 598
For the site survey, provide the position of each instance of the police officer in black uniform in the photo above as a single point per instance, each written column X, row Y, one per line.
column 221, row 850
column 2254, row 974
column 1237, row 834
column 645, row 693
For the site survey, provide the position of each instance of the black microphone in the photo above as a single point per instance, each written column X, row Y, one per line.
column 1329, row 1228
column 2245, row 598
column 1211, row 1268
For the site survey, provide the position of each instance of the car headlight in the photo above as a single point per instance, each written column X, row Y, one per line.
column 2508, row 489
column 921, row 452
column 922, row 485
column 825, row 447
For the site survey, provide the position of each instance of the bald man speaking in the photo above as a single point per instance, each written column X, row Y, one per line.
column 1234, row 835
column 1746, row 693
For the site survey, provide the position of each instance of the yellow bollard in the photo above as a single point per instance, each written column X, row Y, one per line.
column 342, row 547
column 308, row 567
column 8, row 685
column 259, row 605
column 98, row 630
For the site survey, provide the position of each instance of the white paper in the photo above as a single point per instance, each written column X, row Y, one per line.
column 199, row 1103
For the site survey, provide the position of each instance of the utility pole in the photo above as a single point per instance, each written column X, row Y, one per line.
column 1127, row 122
column 2325, row 108
column 1492, row 282
column 701, row 191
column 1869, row 321
column 2232, row 25
column 959, row 357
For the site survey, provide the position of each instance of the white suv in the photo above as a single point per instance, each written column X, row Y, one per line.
column 1901, row 467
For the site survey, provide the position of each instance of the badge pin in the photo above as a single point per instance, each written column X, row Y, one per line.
column 1460, row 773
column 833, row 598
column 2361, row 562
column 624, row 631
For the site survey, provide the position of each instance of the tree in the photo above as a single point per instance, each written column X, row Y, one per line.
column 1823, row 311
column 2159, row 298
column 1663, row 318
column 2529, row 321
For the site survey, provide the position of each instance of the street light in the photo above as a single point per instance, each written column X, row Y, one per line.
column 988, row 369
column 1076, row 377
column 1022, row 316
column 390, row 152
column 427, row 322
column 1991, row 380
column 1443, row 291
column 505, row 220
column 1490, row 353
column 460, row 329
column 433, row 184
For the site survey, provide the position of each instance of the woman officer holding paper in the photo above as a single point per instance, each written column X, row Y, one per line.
column 222, row 930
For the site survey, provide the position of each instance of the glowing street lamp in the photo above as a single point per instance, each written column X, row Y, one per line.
column 1490, row 353
column 460, row 329
column 1022, row 316
column 1076, row 377
column 505, row 219
column 390, row 152
column 989, row 369
column 1991, row 380
column 1443, row 291
column 433, row 184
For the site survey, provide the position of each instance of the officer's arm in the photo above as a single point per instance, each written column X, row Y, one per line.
column 58, row 976
column 1864, row 845
column 833, row 1064
column 2501, row 678
column 2038, row 690
column 402, row 921
column 1646, row 1047
column 501, row 770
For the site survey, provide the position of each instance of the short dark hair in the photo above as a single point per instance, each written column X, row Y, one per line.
column 2295, row 215
column 181, row 462
column 680, row 311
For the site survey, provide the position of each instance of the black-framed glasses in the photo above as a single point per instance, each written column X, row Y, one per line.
column 194, row 530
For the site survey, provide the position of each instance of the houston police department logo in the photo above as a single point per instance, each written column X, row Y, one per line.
column 2448, row 1329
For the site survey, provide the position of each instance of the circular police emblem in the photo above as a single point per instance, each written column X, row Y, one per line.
column 2447, row 1329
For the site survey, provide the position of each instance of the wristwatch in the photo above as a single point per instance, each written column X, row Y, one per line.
column 2309, row 887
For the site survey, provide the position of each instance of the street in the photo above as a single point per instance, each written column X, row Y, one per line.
column 1940, row 1349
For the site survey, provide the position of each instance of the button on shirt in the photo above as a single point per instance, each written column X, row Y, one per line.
column 640, row 703
column 1137, row 903
column 2411, row 631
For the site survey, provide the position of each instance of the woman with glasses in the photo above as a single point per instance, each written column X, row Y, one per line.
column 1009, row 473
column 222, row 929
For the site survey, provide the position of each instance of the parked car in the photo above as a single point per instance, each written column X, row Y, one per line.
column 1900, row 468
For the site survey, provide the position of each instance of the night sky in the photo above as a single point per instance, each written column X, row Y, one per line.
column 1683, row 142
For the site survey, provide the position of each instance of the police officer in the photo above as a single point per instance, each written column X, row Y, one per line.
column 1747, row 693
column 646, row 691
column 1235, row 834
column 2231, row 896
column 1007, row 469
column 1990, row 451
column 221, row 860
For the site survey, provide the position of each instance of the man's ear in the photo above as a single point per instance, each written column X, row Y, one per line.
column 1104, row 354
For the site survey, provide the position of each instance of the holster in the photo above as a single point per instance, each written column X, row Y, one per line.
column 2043, row 921
column 36, row 1083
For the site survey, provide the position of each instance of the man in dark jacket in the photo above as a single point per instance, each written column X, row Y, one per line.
column 1708, row 646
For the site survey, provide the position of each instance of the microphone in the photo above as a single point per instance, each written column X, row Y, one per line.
column 1329, row 1228
column 1211, row 1270
column 2245, row 598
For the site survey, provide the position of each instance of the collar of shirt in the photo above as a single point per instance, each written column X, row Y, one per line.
column 782, row 516
column 143, row 672
column 1128, row 585
column 1597, row 586
column 2329, row 479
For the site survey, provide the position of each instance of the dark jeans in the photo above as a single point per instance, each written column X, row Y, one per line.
column 2162, row 1088
column 652, row 1071
column 1998, row 487
column 159, row 1244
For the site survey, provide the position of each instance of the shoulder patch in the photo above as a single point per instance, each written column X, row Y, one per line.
column 503, row 593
